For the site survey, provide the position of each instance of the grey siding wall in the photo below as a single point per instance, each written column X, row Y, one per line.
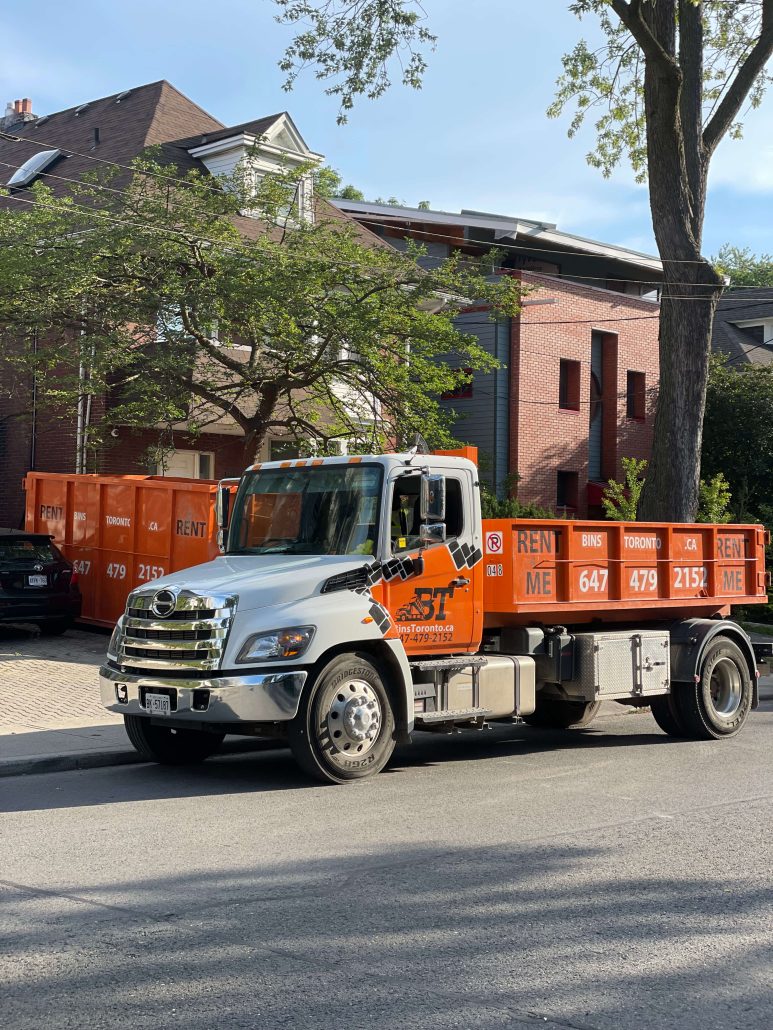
column 483, row 419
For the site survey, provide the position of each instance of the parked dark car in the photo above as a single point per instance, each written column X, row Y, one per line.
column 37, row 582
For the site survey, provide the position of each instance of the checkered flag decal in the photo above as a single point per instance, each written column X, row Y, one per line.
column 464, row 555
column 380, row 616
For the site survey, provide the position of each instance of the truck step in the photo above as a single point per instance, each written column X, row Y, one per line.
column 451, row 715
column 439, row 664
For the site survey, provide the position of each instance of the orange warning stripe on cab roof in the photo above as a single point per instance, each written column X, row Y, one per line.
column 354, row 461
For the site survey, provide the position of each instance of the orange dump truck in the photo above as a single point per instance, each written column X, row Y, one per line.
column 122, row 531
column 360, row 599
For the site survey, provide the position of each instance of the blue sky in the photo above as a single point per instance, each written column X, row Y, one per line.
column 476, row 136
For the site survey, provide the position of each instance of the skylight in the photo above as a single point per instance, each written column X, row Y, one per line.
column 33, row 167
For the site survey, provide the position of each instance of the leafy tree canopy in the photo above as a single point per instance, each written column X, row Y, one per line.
column 168, row 295
column 738, row 435
column 668, row 83
column 744, row 268
column 328, row 184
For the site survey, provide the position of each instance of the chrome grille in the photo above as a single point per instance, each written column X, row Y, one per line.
column 192, row 636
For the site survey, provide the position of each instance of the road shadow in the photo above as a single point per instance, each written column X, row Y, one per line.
column 273, row 769
column 416, row 936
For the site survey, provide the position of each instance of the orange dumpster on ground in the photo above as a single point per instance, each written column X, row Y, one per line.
column 122, row 531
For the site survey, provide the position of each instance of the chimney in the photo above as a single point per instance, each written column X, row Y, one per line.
column 17, row 112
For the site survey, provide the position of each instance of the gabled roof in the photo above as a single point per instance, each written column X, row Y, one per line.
column 256, row 127
column 743, row 305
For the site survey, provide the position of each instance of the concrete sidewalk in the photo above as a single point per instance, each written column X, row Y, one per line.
column 51, row 717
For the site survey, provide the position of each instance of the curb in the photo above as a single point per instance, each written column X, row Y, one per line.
column 37, row 764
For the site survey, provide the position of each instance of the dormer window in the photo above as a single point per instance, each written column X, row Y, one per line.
column 265, row 147
column 756, row 332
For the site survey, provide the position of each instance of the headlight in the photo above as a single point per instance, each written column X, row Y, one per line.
column 115, row 640
column 276, row 645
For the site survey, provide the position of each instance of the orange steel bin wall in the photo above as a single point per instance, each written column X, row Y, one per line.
column 572, row 571
column 122, row 531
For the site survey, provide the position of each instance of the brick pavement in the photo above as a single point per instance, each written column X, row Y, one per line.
column 50, row 682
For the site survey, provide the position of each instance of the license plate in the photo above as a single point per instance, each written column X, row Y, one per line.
column 158, row 704
column 37, row 581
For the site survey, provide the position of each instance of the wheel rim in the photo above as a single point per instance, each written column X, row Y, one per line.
column 726, row 688
column 353, row 721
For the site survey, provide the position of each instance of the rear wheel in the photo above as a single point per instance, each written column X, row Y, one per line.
column 345, row 727
column 719, row 702
column 170, row 746
column 666, row 714
column 554, row 714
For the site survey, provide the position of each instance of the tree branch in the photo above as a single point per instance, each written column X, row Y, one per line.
column 731, row 103
column 631, row 16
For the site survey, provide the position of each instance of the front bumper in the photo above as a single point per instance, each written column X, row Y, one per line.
column 258, row 698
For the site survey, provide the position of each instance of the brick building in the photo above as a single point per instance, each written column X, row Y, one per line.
column 61, row 147
column 578, row 380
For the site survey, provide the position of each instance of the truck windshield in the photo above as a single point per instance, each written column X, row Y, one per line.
column 330, row 509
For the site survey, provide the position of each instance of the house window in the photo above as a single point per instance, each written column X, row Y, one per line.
column 283, row 450
column 463, row 390
column 187, row 465
column 567, row 489
column 569, row 385
column 635, row 395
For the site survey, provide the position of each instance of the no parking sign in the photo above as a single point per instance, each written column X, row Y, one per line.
column 494, row 543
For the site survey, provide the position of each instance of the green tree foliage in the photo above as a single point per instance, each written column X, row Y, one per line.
column 354, row 43
column 738, row 435
column 509, row 507
column 620, row 501
column 667, row 84
column 328, row 184
column 715, row 500
column 162, row 295
column 744, row 268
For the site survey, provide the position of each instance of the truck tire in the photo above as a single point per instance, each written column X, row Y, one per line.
column 552, row 714
column 666, row 714
column 170, row 746
column 719, row 702
column 345, row 727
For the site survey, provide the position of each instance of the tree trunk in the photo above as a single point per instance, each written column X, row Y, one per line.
column 671, row 488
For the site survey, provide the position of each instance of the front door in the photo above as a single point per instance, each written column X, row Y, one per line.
column 439, row 610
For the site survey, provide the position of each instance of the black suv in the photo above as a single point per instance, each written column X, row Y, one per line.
column 37, row 582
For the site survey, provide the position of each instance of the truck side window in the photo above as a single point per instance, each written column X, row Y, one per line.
column 406, row 514
column 405, row 517
column 454, row 508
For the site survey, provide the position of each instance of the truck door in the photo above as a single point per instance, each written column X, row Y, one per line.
column 439, row 610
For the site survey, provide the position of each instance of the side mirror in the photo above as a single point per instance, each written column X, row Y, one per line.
column 433, row 498
column 432, row 532
column 222, row 506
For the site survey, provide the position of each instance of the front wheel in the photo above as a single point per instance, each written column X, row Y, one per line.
column 553, row 714
column 717, row 704
column 345, row 727
column 170, row 746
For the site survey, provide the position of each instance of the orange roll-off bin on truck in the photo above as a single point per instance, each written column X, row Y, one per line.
column 362, row 599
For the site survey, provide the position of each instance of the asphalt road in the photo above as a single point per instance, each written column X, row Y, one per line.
column 606, row 879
